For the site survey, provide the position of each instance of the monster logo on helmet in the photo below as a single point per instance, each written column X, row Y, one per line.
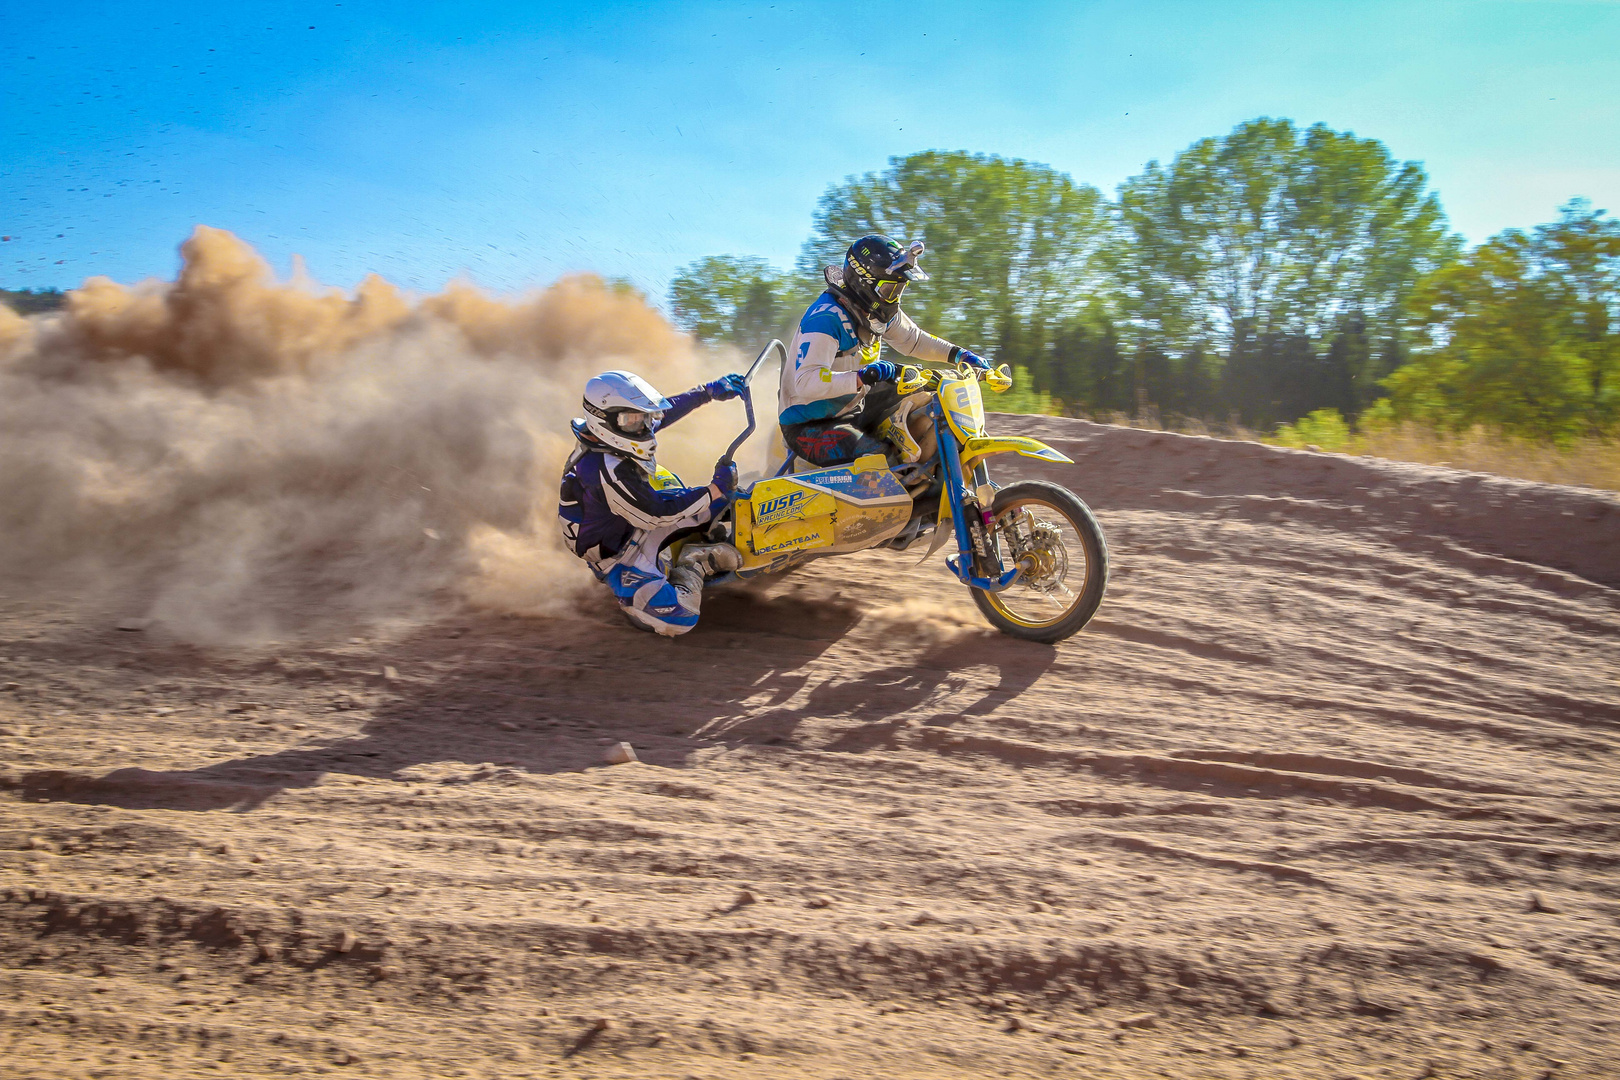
column 875, row 273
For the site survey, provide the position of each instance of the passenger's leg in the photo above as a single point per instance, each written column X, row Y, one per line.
column 651, row 601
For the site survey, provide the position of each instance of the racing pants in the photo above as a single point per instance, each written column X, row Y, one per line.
column 666, row 605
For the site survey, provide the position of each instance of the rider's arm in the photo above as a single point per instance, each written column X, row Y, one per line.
column 905, row 336
column 813, row 376
column 632, row 497
column 681, row 404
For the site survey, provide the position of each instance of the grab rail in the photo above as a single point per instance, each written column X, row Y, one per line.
column 748, row 401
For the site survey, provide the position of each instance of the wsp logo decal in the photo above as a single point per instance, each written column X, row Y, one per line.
column 783, row 507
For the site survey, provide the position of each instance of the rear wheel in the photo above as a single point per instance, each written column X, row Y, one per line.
column 1047, row 530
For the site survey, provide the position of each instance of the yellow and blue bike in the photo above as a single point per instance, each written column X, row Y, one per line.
column 1031, row 553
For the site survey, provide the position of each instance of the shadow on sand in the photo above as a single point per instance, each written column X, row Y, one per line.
column 543, row 695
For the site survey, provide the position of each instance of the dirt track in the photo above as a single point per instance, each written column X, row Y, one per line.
column 1330, row 788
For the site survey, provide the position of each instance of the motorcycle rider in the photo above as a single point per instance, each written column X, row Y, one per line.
column 618, row 520
column 837, row 399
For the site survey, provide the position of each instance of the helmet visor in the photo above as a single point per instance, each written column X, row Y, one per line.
column 632, row 422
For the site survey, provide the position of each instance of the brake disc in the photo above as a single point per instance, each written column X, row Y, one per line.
column 1051, row 558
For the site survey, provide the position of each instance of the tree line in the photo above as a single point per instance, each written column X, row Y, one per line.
column 1257, row 277
column 33, row 301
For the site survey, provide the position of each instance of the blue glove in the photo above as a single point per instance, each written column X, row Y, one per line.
column 879, row 371
column 975, row 359
column 725, row 478
column 726, row 387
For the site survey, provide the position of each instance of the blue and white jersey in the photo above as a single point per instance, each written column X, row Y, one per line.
column 819, row 380
column 611, row 512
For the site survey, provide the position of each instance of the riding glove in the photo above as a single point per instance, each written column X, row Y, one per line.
column 879, row 371
column 726, row 387
column 725, row 478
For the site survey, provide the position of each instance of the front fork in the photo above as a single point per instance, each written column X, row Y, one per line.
column 975, row 535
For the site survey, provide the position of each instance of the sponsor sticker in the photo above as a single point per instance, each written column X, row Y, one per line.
column 797, row 541
column 788, row 507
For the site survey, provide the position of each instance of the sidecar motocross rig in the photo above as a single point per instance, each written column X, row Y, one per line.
column 1031, row 553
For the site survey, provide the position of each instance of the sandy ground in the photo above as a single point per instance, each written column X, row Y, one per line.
column 1329, row 789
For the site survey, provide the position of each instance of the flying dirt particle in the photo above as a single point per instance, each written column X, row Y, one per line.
column 390, row 672
column 347, row 941
column 507, row 725
column 133, row 625
column 620, row 754
column 818, row 901
column 1140, row 1020
column 1540, row 906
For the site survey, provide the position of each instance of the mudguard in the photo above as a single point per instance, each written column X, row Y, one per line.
column 977, row 449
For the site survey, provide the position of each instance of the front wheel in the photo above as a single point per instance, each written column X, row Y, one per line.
column 1052, row 534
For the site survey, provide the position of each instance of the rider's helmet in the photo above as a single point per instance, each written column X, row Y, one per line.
column 622, row 413
column 876, row 271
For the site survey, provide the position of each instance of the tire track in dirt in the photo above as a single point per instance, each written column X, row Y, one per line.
column 1330, row 786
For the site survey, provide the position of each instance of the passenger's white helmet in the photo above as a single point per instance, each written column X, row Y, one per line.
column 622, row 412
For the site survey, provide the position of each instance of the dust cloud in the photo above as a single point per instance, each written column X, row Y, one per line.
column 238, row 458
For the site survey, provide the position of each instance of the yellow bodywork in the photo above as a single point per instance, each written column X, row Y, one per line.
column 963, row 405
column 977, row 449
column 786, row 519
column 845, row 508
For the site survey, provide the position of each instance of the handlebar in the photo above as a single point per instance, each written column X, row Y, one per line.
column 915, row 378
column 748, row 404
column 748, row 398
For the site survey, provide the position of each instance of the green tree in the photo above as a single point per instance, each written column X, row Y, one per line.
column 738, row 300
column 1262, row 246
column 1522, row 335
column 1011, row 245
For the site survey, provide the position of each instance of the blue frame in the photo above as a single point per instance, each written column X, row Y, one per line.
column 953, row 479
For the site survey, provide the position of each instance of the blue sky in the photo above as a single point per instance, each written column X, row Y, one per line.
column 509, row 143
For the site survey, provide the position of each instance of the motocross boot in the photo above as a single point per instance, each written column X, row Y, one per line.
column 711, row 560
column 896, row 430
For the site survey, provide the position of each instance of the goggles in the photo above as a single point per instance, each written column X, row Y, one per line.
column 889, row 291
column 632, row 422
